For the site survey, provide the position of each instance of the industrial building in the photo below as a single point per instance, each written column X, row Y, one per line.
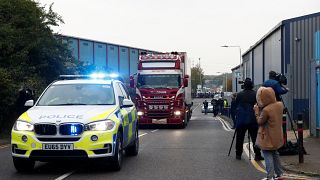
column 292, row 48
column 114, row 57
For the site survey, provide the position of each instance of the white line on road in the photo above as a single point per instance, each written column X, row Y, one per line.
column 4, row 146
column 225, row 125
column 155, row 130
column 143, row 134
column 196, row 107
column 65, row 175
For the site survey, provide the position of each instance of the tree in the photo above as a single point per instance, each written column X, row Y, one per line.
column 197, row 73
column 30, row 54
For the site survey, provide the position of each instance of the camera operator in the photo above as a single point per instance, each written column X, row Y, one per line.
column 245, row 119
column 274, row 82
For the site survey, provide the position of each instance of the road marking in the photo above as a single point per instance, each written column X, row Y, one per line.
column 196, row 107
column 260, row 165
column 143, row 134
column 253, row 162
column 4, row 146
column 225, row 125
column 65, row 175
column 155, row 130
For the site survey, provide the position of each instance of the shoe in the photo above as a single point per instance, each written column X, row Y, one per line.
column 265, row 179
column 258, row 158
column 238, row 157
column 278, row 178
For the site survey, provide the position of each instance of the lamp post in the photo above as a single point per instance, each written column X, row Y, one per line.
column 226, row 80
column 200, row 73
column 227, row 46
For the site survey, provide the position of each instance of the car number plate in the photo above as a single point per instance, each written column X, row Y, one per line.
column 159, row 121
column 57, row 146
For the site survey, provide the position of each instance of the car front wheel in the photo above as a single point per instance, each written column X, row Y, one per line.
column 23, row 164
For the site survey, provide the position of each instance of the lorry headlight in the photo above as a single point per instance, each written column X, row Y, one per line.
column 177, row 113
column 140, row 113
column 106, row 125
column 23, row 126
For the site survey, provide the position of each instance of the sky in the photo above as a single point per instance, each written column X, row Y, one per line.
column 198, row 27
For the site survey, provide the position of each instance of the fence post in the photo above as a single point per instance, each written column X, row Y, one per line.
column 284, row 127
column 300, row 137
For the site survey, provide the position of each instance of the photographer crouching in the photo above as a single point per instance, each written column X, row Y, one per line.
column 245, row 119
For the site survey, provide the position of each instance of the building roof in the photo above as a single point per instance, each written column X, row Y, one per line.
column 275, row 28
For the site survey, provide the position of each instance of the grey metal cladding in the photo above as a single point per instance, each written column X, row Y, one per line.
column 272, row 53
column 258, row 55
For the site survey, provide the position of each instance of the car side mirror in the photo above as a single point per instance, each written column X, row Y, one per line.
column 127, row 103
column 29, row 103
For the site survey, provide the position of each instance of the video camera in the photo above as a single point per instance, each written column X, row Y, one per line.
column 282, row 79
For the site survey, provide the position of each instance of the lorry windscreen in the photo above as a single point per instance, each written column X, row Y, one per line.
column 159, row 81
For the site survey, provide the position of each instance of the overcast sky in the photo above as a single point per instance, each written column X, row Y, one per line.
column 198, row 27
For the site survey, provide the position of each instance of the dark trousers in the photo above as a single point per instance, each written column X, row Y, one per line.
column 241, row 132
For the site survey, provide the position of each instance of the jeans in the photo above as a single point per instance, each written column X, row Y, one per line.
column 272, row 161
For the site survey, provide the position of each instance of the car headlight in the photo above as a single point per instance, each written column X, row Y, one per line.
column 23, row 126
column 106, row 125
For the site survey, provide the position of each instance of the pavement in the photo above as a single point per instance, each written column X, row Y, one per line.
column 311, row 165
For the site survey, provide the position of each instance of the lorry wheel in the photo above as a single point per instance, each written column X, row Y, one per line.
column 23, row 164
column 133, row 149
column 116, row 159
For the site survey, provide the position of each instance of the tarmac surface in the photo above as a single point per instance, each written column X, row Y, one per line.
column 196, row 152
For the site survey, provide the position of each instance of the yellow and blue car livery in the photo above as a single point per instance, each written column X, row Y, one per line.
column 52, row 132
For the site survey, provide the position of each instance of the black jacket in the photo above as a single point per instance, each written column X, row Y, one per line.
column 245, row 101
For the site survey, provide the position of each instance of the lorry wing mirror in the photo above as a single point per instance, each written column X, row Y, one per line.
column 185, row 82
column 132, row 81
column 29, row 103
column 186, row 76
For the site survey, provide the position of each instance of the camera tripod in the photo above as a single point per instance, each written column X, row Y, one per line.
column 234, row 135
column 290, row 119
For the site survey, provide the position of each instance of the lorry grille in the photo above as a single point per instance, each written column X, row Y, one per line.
column 45, row 129
column 158, row 114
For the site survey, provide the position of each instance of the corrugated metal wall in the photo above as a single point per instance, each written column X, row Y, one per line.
column 258, row 65
column 117, row 58
column 272, row 53
column 100, row 55
column 301, row 56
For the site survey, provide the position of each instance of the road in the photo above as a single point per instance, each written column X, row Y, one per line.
column 197, row 152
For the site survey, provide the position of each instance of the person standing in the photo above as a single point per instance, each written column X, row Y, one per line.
column 205, row 106
column 214, row 104
column 268, row 113
column 233, row 109
column 245, row 119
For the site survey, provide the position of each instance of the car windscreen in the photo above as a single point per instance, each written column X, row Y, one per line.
column 159, row 81
column 77, row 94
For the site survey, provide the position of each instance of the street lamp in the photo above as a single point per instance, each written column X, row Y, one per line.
column 226, row 46
column 226, row 80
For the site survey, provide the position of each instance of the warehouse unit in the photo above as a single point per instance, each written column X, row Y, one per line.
column 114, row 57
column 289, row 48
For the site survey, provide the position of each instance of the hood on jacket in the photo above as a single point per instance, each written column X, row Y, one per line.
column 265, row 96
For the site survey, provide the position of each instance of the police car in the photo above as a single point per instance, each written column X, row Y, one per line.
column 79, row 117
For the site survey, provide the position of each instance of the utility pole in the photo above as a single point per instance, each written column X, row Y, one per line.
column 200, row 73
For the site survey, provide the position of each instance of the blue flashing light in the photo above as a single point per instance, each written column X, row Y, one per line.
column 114, row 75
column 73, row 130
column 98, row 76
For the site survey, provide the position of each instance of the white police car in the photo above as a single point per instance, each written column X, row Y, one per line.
column 77, row 118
